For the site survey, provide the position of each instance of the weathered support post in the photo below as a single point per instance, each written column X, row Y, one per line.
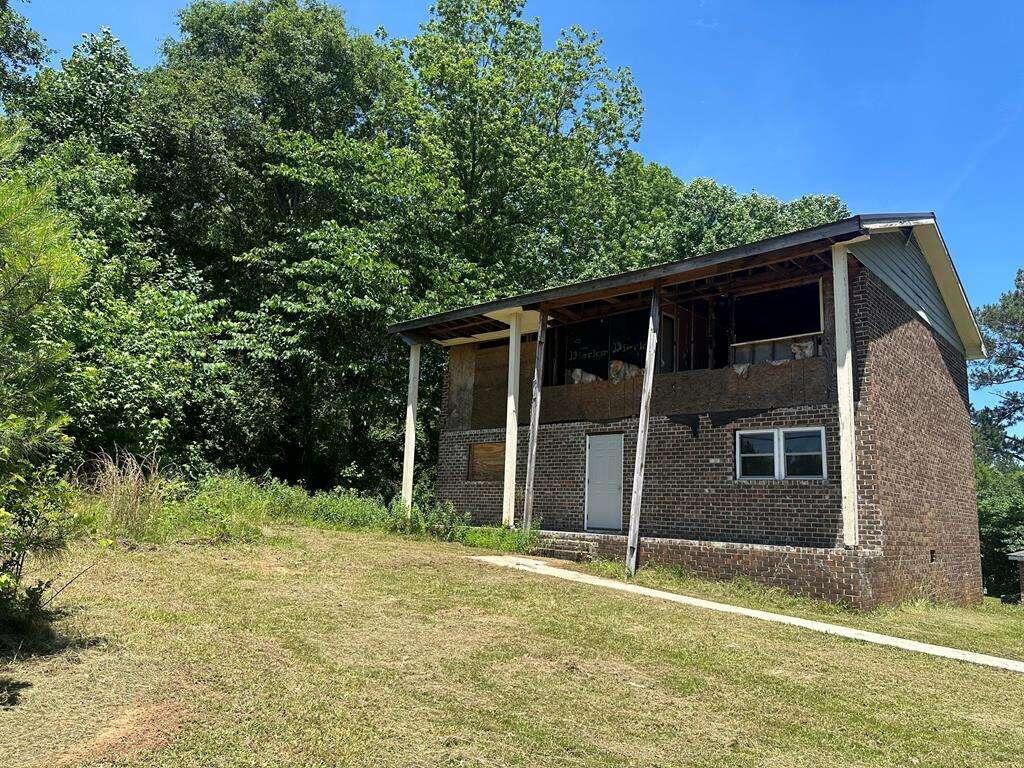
column 409, row 457
column 844, row 379
column 531, row 455
column 508, row 499
column 653, row 326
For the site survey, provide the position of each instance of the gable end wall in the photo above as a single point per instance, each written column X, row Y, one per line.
column 914, row 455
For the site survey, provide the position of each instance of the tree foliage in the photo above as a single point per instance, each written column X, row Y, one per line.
column 1001, row 516
column 38, row 265
column 1002, row 325
column 21, row 51
column 253, row 212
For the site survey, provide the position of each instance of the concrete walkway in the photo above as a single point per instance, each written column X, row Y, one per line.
column 540, row 567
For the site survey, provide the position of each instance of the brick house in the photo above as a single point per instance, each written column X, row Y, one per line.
column 794, row 411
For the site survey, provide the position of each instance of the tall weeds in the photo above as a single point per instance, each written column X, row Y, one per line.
column 135, row 500
column 128, row 497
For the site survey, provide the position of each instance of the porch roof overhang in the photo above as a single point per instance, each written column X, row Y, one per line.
column 489, row 320
column 1017, row 556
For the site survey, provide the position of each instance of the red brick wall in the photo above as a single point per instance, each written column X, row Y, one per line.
column 690, row 490
column 915, row 471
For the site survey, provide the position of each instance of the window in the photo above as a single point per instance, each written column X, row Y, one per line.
column 804, row 452
column 756, row 454
column 792, row 453
column 486, row 461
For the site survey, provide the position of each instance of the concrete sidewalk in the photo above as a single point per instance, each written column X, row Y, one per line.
column 532, row 565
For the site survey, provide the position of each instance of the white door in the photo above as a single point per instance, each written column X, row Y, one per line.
column 603, row 509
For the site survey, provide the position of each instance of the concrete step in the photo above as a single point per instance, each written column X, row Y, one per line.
column 577, row 550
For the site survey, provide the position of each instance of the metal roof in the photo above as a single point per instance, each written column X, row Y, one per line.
column 851, row 228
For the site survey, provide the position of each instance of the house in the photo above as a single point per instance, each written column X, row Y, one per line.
column 794, row 411
column 1018, row 557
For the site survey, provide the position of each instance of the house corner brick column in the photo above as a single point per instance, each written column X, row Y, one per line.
column 844, row 377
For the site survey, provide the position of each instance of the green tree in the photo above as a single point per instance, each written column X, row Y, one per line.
column 993, row 445
column 148, row 372
column 999, row 451
column 93, row 95
column 22, row 50
column 284, row 175
column 1001, row 517
column 38, row 266
column 524, row 137
column 1002, row 325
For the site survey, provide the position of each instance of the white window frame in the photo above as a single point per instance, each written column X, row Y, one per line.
column 775, row 453
column 779, row 446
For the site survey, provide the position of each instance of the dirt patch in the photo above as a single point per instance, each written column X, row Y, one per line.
column 136, row 731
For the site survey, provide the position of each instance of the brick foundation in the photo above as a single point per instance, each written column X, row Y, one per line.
column 839, row 575
column 690, row 490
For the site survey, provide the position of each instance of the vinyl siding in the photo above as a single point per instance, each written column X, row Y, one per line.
column 902, row 266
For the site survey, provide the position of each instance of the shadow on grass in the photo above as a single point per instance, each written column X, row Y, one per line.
column 24, row 638
column 10, row 691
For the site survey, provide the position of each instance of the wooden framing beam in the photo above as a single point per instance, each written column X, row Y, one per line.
column 409, row 457
column 713, row 270
column 531, row 453
column 636, row 499
column 508, row 491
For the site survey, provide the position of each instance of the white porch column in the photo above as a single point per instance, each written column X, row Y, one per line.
column 844, row 378
column 409, row 457
column 508, row 498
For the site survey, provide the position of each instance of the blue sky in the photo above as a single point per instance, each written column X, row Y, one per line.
column 908, row 106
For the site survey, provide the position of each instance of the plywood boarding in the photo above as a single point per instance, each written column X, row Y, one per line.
column 486, row 461
column 461, row 376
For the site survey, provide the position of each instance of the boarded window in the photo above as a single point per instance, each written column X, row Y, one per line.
column 486, row 461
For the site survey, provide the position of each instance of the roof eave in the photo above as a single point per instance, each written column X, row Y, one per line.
column 840, row 231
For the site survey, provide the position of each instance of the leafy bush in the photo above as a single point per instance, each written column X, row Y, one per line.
column 1001, row 517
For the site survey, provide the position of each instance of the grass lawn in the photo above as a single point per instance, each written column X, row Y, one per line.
column 324, row 648
column 993, row 627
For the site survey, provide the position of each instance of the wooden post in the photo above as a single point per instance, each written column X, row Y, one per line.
column 844, row 378
column 409, row 458
column 531, row 455
column 653, row 325
column 508, row 499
